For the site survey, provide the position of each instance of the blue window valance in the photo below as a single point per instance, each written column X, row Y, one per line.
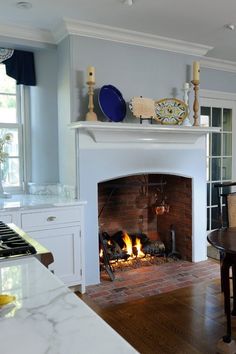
column 19, row 65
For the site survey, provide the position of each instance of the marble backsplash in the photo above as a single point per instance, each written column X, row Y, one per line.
column 58, row 189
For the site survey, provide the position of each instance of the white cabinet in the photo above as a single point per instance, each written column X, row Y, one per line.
column 6, row 218
column 60, row 229
column 10, row 217
column 64, row 243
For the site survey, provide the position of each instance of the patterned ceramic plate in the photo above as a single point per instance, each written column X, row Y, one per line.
column 170, row 111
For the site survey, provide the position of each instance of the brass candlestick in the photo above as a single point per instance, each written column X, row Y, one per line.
column 91, row 115
column 196, row 103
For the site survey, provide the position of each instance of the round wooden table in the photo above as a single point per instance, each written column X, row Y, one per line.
column 225, row 240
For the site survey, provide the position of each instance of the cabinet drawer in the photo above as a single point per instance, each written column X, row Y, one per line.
column 50, row 217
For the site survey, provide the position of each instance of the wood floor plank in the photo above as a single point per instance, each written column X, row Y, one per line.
column 190, row 320
column 148, row 334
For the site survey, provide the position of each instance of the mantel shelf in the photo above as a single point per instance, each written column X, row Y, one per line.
column 106, row 132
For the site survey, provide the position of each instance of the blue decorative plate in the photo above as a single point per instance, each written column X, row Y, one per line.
column 112, row 103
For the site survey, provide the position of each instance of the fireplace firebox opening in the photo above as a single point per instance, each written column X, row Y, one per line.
column 144, row 216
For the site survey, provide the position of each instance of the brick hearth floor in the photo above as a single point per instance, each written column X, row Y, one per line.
column 150, row 280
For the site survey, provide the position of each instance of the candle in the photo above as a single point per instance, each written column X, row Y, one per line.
column 196, row 70
column 91, row 74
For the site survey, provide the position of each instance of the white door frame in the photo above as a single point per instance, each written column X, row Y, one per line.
column 227, row 100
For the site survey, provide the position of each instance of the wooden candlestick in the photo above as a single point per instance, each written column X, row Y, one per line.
column 196, row 102
column 91, row 115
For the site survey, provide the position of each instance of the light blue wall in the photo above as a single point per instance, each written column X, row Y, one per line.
column 44, row 118
column 218, row 80
column 133, row 70
column 136, row 71
column 66, row 136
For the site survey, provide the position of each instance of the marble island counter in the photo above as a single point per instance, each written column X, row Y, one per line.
column 47, row 318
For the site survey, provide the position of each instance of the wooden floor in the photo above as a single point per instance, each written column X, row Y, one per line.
column 185, row 321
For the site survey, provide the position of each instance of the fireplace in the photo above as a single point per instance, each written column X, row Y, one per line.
column 107, row 151
column 146, row 209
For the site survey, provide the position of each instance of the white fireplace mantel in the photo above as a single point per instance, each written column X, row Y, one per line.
column 106, row 151
column 108, row 132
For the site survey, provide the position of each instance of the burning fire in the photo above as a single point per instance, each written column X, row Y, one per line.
column 128, row 244
column 138, row 247
column 129, row 247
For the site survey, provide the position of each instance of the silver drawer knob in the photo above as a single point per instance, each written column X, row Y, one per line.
column 51, row 218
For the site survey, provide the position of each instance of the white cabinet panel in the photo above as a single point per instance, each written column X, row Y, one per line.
column 6, row 218
column 10, row 217
column 64, row 243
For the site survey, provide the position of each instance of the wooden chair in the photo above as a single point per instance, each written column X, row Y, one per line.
column 226, row 204
column 231, row 209
column 226, row 211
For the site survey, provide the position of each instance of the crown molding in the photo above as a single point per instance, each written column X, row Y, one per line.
column 218, row 64
column 220, row 95
column 115, row 34
column 40, row 38
column 26, row 33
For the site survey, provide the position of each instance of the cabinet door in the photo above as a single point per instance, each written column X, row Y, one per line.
column 64, row 243
column 6, row 218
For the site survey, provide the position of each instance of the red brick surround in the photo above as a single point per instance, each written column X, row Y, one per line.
column 124, row 211
column 148, row 281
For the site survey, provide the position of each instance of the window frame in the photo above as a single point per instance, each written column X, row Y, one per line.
column 23, row 126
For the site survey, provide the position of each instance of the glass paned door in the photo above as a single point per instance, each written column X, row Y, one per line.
column 219, row 113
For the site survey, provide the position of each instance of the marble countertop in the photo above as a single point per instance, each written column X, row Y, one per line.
column 47, row 318
column 29, row 201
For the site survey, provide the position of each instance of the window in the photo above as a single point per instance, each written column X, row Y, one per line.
column 10, row 122
column 219, row 152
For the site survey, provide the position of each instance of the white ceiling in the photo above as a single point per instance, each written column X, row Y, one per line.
column 198, row 21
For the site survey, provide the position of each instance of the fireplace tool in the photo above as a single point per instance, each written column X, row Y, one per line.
column 174, row 253
column 106, row 262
